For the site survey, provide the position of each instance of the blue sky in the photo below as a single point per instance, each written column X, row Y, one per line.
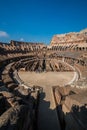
column 39, row 20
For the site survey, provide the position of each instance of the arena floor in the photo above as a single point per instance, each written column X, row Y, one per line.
column 46, row 78
column 47, row 115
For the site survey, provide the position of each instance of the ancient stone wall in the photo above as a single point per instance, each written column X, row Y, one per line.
column 19, row 102
column 73, row 40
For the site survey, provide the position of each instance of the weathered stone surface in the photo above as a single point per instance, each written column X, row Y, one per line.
column 73, row 37
column 13, row 118
column 71, row 107
column 18, row 104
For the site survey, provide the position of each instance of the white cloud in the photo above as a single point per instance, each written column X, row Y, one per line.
column 22, row 39
column 3, row 34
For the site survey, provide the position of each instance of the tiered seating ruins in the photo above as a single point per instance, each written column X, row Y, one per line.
column 21, row 105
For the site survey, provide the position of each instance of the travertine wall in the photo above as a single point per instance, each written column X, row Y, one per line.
column 71, row 40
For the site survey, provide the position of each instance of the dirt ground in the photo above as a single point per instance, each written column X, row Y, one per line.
column 46, row 78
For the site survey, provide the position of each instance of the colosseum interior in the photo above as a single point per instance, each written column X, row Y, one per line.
column 44, row 87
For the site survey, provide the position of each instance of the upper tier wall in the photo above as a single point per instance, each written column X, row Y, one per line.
column 73, row 37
